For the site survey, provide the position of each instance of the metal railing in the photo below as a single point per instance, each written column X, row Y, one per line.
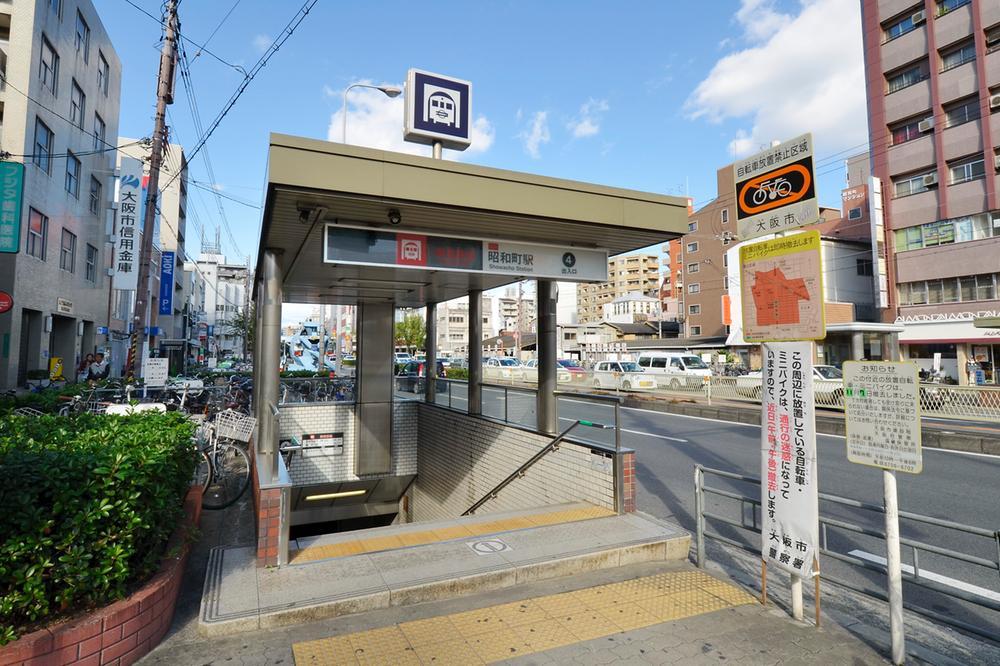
column 915, row 575
column 297, row 390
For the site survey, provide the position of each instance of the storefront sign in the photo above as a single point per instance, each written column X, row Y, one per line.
column 789, row 489
column 776, row 189
column 128, row 226
column 322, row 444
column 11, row 188
column 64, row 306
column 167, row 283
column 348, row 245
column 882, row 407
column 6, row 302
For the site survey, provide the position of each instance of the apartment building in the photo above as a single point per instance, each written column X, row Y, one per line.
column 933, row 81
column 626, row 273
column 57, row 53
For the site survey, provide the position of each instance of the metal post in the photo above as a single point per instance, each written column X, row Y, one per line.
column 257, row 363
column 430, row 352
column 763, row 581
column 619, row 461
column 547, row 361
column 699, row 519
column 270, row 348
column 475, row 355
column 895, row 578
column 437, row 150
column 797, row 597
column 816, row 578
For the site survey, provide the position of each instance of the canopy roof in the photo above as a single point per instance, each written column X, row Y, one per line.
column 313, row 183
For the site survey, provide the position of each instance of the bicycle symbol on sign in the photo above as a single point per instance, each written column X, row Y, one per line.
column 771, row 190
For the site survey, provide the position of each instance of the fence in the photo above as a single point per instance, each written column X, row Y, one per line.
column 954, row 532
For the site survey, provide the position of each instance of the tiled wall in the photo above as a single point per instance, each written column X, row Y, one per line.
column 460, row 458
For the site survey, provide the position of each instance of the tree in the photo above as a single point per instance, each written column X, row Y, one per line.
column 411, row 333
column 242, row 326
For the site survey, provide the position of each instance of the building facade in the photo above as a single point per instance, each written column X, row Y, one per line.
column 626, row 273
column 933, row 81
column 632, row 308
column 225, row 297
column 57, row 54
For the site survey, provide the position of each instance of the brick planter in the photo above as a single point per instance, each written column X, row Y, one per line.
column 126, row 630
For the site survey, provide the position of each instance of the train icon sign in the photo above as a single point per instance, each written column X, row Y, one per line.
column 438, row 110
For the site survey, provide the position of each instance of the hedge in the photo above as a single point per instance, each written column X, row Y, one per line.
column 88, row 505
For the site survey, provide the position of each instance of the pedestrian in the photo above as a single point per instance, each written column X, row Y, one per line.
column 83, row 370
column 99, row 369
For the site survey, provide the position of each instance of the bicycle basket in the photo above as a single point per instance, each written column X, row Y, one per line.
column 96, row 407
column 27, row 411
column 233, row 425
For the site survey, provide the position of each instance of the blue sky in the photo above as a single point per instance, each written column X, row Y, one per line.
column 647, row 95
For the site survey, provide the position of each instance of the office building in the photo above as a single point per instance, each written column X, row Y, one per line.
column 58, row 55
column 933, row 80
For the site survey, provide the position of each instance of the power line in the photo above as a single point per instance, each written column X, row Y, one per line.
column 209, row 188
column 4, row 155
column 217, row 27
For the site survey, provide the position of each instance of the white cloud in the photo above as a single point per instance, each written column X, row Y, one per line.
column 376, row 121
column 262, row 42
column 537, row 134
column 802, row 73
column 588, row 122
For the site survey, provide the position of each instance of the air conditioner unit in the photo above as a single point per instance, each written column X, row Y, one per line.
column 918, row 17
column 926, row 125
column 995, row 101
column 930, row 179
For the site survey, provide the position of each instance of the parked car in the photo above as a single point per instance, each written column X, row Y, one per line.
column 530, row 372
column 828, row 385
column 575, row 370
column 503, row 368
column 676, row 369
column 623, row 375
column 412, row 377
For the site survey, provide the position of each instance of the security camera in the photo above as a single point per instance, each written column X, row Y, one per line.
column 394, row 216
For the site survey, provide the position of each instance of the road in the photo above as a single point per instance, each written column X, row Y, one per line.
column 964, row 488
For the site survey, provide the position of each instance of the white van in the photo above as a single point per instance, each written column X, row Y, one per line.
column 681, row 369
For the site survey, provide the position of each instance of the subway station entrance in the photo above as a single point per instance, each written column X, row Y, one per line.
column 476, row 497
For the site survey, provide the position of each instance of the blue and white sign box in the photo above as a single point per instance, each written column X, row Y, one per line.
column 438, row 110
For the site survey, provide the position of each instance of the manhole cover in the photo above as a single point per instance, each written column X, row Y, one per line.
column 488, row 546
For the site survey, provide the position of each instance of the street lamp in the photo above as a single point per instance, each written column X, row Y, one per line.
column 389, row 91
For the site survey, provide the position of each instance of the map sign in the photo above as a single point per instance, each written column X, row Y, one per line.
column 882, row 406
column 789, row 500
column 781, row 287
column 776, row 189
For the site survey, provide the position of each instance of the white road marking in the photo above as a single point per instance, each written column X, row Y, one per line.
column 639, row 432
column 930, row 575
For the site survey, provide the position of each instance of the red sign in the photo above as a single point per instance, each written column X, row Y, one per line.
column 411, row 250
column 6, row 302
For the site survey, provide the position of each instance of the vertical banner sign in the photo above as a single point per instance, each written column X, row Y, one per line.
column 11, row 187
column 167, row 283
column 880, row 271
column 127, row 231
column 789, row 487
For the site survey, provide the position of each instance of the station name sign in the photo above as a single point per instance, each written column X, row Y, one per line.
column 370, row 247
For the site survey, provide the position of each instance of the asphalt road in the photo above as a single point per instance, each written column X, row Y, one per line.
column 957, row 487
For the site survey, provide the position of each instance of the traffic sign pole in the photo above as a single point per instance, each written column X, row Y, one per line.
column 893, row 569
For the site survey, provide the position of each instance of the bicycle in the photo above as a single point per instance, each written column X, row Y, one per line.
column 772, row 189
column 223, row 470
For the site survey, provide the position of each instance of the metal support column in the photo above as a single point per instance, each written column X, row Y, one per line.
column 857, row 345
column 546, row 346
column 475, row 351
column 430, row 348
column 269, row 358
column 257, row 364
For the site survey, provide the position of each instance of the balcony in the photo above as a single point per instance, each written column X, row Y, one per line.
column 900, row 104
column 916, row 208
column 911, row 155
column 969, row 197
column 953, row 26
column 958, row 82
column 905, row 48
column 962, row 140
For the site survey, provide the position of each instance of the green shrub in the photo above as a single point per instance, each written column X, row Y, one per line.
column 303, row 373
column 456, row 373
column 88, row 505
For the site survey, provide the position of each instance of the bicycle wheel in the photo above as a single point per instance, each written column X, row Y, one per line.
column 230, row 476
column 203, row 472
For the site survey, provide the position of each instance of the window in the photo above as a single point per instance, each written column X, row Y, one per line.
column 696, row 330
column 38, row 233
column 694, row 288
column 934, row 292
column 67, row 251
column 854, row 213
column 945, row 232
column 694, row 309
column 72, row 174
column 82, row 37
column 907, row 185
column 56, row 6
column 949, row 290
column 899, row 27
column 864, row 267
column 725, row 283
column 725, row 216
column 91, row 268
column 48, row 66
column 692, row 247
column 961, row 112
column 959, row 55
column 77, row 105
column 693, row 268
column 905, row 77
column 945, row 6
column 992, row 39
column 100, row 132
column 968, row 288
column 43, row 146
column 970, row 169
column 96, row 191
column 985, row 288
column 908, row 130
column 103, row 73
column 693, row 226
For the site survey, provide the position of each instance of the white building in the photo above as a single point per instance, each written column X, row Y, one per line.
column 225, row 296
column 58, row 54
column 632, row 308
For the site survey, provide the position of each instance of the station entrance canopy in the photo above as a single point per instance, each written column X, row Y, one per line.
column 360, row 225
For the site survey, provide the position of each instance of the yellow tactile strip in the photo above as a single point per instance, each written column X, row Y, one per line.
column 460, row 531
column 525, row 627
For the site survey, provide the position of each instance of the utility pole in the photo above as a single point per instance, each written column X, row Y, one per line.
column 164, row 96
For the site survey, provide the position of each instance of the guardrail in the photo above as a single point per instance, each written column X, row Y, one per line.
column 912, row 573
